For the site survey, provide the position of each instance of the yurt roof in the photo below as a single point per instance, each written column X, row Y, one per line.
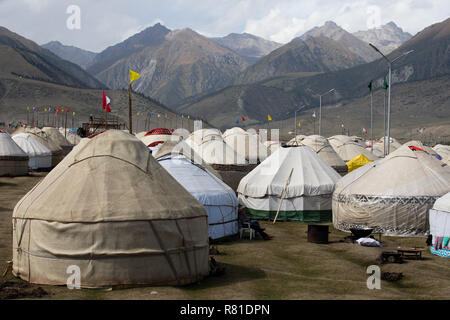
column 443, row 203
column 323, row 148
column 30, row 145
column 297, row 140
column 112, row 177
column 311, row 175
column 347, row 149
column 203, row 185
column 233, row 131
column 420, row 145
column 218, row 152
column 442, row 150
column 8, row 148
column 56, row 136
column 403, row 173
column 173, row 148
column 247, row 145
column 44, row 139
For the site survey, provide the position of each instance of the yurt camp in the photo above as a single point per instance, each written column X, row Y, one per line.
column 348, row 149
column 40, row 157
column 296, row 140
column 41, row 137
column 294, row 181
column 392, row 195
column 119, row 216
column 440, row 226
column 13, row 160
column 322, row 147
column 219, row 199
column 56, row 137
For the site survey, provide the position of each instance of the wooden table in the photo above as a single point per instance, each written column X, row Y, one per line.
column 415, row 253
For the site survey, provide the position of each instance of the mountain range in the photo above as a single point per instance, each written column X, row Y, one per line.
column 81, row 57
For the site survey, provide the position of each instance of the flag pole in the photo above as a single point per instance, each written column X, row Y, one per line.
column 130, row 109
column 65, row 126
column 371, row 118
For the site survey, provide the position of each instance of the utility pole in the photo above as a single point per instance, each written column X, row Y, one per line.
column 389, row 92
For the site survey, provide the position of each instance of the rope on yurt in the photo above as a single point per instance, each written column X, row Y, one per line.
column 185, row 251
column 167, row 255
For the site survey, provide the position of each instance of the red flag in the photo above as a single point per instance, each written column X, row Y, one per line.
column 67, row 109
column 243, row 119
column 106, row 102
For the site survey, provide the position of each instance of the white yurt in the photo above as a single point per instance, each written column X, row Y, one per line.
column 13, row 160
column 308, row 193
column 348, row 149
column 296, row 141
column 323, row 148
column 446, row 160
column 272, row 145
column 119, row 217
column 442, row 150
column 40, row 157
column 58, row 138
column 420, row 145
column 41, row 137
column 440, row 226
column 395, row 144
column 246, row 144
column 219, row 199
column 392, row 195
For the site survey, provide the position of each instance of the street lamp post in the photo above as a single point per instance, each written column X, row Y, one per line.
column 389, row 92
column 296, row 122
column 320, row 110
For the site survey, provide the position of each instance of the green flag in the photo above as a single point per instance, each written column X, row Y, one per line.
column 370, row 85
column 385, row 85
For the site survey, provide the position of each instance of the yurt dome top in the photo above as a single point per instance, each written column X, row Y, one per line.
column 31, row 146
column 9, row 148
column 54, row 135
column 405, row 172
column 311, row 176
column 443, row 203
column 348, row 149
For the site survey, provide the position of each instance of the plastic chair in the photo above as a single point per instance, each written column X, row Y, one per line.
column 247, row 226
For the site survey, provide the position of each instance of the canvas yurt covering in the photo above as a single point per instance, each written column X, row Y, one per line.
column 41, row 137
column 156, row 136
column 420, row 145
column 13, row 160
column 325, row 151
column 56, row 137
column 308, row 195
column 440, row 226
column 272, row 146
column 442, row 150
column 119, row 216
column 347, row 148
column 246, row 145
column 71, row 136
column 219, row 200
column 296, row 141
column 40, row 157
column 393, row 195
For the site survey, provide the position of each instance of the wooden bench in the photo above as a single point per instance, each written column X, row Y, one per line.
column 415, row 253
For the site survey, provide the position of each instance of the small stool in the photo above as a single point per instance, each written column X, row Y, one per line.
column 247, row 226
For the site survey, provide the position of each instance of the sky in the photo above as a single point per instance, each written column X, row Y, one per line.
column 95, row 25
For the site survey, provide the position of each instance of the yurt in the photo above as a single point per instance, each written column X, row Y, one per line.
column 140, row 135
column 13, row 160
column 272, row 145
column 392, row 195
column 296, row 141
column 358, row 162
column 219, row 199
column 119, row 217
column 325, row 151
column 246, row 144
column 421, row 146
column 358, row 140
column 308, row 192
column 446, row 160
column 442, row 150
column 393, row 142
column 347, row 148
column 197, row 137
column 40, row 157
column 440, row 226
column 41, row 137
column 156, row 136
column 56, row 137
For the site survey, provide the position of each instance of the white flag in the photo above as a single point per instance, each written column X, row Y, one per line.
column 314, row 115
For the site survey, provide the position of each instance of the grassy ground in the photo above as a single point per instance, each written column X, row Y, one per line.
column 287, row 267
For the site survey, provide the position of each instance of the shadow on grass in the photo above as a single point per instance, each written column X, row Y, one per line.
column 233, row 274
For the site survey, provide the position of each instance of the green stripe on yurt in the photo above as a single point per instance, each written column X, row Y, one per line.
column 293, row 216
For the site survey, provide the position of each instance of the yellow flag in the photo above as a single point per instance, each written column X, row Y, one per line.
column 300, row 124
column 189, row 117
column 138, row 114
column 28, row 108
column 45, row 109
column 166, row 115
column 269, row 117
column 134, row 76
column 73, row 113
